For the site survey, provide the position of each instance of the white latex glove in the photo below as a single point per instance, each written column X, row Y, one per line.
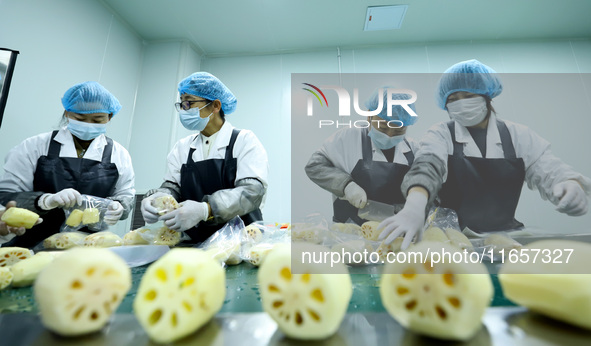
column 66, row 198
column 189, row 214
column 355, row 195
column 408, row 222
column 149, row 212
column 113, row 213
column 572, row 198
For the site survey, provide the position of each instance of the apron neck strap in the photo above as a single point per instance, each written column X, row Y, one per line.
column 54, row 147
column 230, row 148
column 107, row 151
column 410, row 156
column 366, row 152
column 506, row 142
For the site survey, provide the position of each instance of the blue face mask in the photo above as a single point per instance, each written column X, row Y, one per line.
column 86, row 131
column 383, row 141
column 192, row 120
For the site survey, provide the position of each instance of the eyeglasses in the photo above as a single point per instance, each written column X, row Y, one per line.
column 186, row 105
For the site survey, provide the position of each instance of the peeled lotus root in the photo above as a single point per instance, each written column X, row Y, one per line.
column 369, row 230
column 165, row 204
column 307, row 306
column 26, row 271
column 75, row 218
column 440, row 300
column 12, row 255
column 558, row 289
column 19, row 217
column 90, row 216
column 305, row 233
column 5, row 277
column 228, row 253
column 435, row 234
column 78, row 292
column 134, row 238
column 103, row 239
column 458, row 239
column 353, row 251
column 179, row 293
column 500, row 242
column 348, row 228
column 252, row 232
column 64, row 240
column 258, row 253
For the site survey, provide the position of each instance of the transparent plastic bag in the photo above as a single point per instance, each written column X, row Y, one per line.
column 313, row 229
column 255, row 249
column 224, row 245
column 90, row 214
column 154, row 234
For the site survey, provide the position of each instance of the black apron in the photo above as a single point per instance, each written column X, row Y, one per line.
column 202, row 178
column 380, row 180
column 484, row 192
column 55, row 173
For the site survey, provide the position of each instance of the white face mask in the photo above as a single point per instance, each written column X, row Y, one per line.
column 383, row 141
column 468, row 112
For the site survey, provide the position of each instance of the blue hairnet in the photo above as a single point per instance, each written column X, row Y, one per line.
column 90, row 97
column 207, row 86
column 398, row 113
column 471, row 76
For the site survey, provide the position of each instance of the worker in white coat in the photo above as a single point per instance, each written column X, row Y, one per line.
column 361, row 164
column 477, row 163
column 218, row 173
column 49, row 172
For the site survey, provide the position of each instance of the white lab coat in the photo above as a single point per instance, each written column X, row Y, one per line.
column 21, row 162
column 344, row 149
column 248, row 150
column 543, row 170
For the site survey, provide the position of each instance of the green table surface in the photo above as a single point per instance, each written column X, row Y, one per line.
column 242, row 292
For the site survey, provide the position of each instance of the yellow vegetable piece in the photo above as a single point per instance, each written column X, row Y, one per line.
column 353, row 251
column 165, row 204
column 64, row 240
column 75, row 218
column 458, row 239
column 90, row 216
column 435, row 234
column 5, row 277
column 558, row 289
column 369, row 230
column 179, row 293
column 103, row 239
column 19, row 217
column 441, row 300
column 12, row 255
column 306, row 306
column 26, row 271
column 134, row 238
column 253, row 233
column 80, row 289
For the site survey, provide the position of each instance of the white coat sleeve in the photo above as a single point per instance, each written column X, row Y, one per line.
column 19, row 169
column 251, row 181
column 429, row 169
column 125, row 187
column 543, row 170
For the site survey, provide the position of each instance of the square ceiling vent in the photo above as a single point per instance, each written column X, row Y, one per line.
column 384, row 17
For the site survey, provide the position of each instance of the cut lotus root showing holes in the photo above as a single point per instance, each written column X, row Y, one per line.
column 73, row 295
column 434, row 304
column 179, row 293
column 307, row 305
column 12, row 255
